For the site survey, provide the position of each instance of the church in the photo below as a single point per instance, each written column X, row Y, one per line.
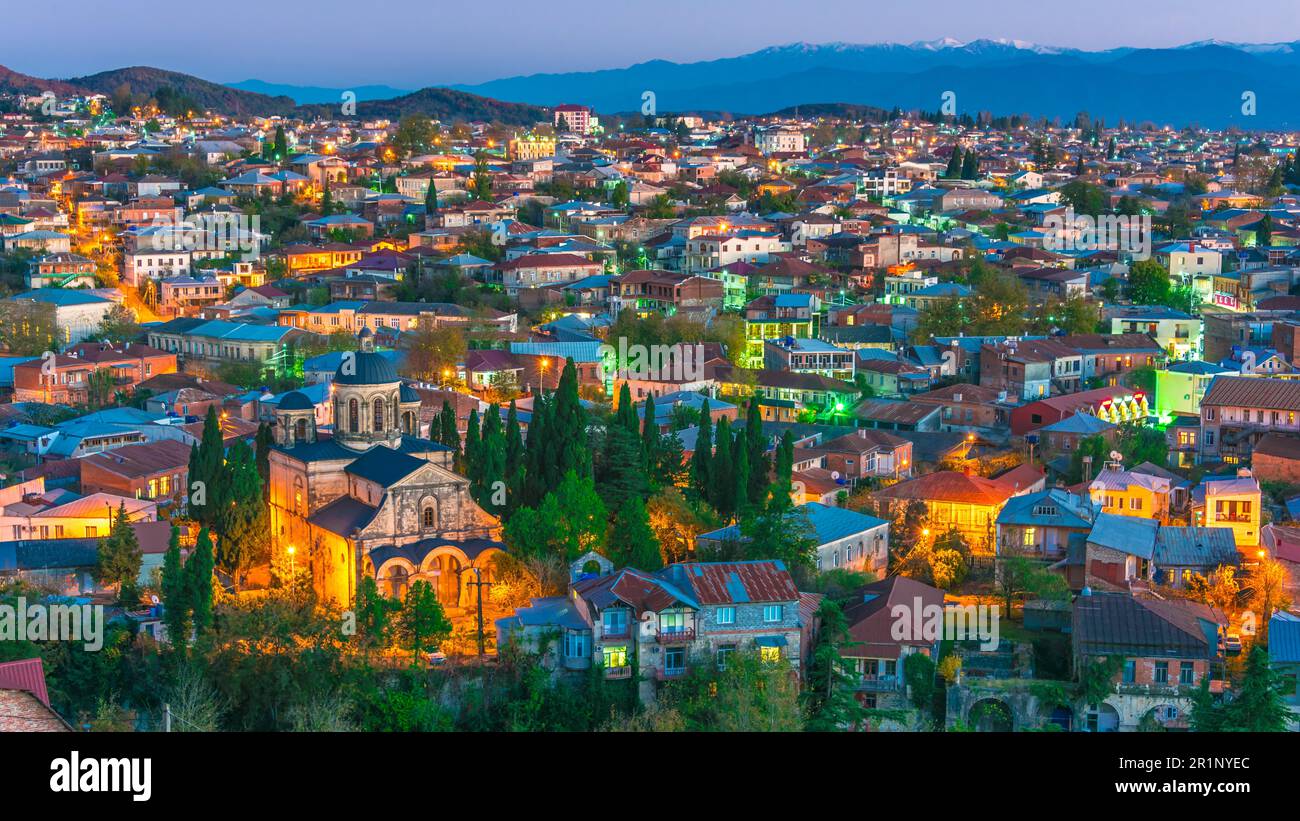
column 373, row 498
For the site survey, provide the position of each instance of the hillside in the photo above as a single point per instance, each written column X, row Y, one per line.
column 441, row 104
column 187, row 90
column 19, row 83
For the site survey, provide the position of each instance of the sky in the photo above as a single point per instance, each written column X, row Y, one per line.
column 416, row 43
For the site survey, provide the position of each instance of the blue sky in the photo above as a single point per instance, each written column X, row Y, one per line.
column 413, row 43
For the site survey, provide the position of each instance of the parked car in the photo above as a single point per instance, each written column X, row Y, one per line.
column 1232, row 643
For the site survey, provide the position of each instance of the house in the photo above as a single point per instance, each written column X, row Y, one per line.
column 1167, row 647
column 863, row 453
column 1237, row 411
column 25, row 700
column 1276, row 458
column 1176, row 332
column 101, row 368
column 1131, row 493
column 1233, row 502
column 801, row 355
column 899, row 416
column 155, row 471
column 540, row 270
column 78, row 313
column 1183, row 551
column 1180, row 386
column 1063, row 437
column 1040, row 524
column 969, row 407
column 1119, row 551
column 968, row 503
column 875, row 652
column 1114, row 405
column 662, row 623
column 1284, row 658
column 845, row 539
column 779, row 316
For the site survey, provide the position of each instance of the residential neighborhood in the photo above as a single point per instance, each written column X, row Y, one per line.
column 442, row 411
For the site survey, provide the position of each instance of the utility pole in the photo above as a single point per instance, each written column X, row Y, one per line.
column 479, row 584
column 167, row 718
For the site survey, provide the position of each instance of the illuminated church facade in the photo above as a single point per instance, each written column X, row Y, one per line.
column 373, row 498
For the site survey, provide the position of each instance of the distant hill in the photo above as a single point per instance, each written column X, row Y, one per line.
column 848, row 111
column 318, row 94
column 441, row 104
column 19, row 83
column 1196, row 83
column 143, row 80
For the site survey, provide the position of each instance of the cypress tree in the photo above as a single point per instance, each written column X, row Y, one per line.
column 622, row 472
column 970, row 166
column 265, row 439
column 782, row 487
column 492, row 460
column 570, row 428
column 702, row 456
column 431, row 199
column 632, row 542
column 198, row 580
column 722, row 479
column 625, row 415
column 740, row 495
column 119, row 557
column 650, row 449
column 535, row 474
column 954, row 164
column 514, row 457
column 756, row 447
column 473, row 466
column 176, row 601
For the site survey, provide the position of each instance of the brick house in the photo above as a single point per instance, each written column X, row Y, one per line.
column 1167, row 647
column 157, row 470
column 66, row 378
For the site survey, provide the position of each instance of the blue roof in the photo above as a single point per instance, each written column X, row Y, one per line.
column 829, row 523
column 579, row 351
column 1284, row 638
column 1047, row 508
column 61, row 296
column 1126, row 534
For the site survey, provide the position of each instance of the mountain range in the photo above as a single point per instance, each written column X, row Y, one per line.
column 1200, row 82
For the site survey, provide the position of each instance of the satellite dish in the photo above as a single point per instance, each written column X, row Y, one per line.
column 1116, row 455
column 835, row 474
column 154, row 599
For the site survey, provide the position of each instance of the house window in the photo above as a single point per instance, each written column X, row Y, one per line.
column 615, row 622
column 724, row 651
column 675, row 661
column 726, row 615
column 576, row 645
column 1185, row 673
column 1031, row 536
column 91, row 531
column 769, row 653
column 1162, row 672
column 672, row 621
column 615, row 656
column 773, row 612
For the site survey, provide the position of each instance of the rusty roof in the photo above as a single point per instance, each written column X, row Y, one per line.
column 738, row 582
column 1253, row 392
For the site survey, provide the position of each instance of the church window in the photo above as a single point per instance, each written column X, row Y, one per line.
column 354, row 424
column 379, row 415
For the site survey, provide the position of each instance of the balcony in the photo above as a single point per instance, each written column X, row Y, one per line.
column 675, row 636
column 877, row 684
column 619, row 672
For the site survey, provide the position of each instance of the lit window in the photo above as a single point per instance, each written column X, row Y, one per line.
column 616, row 656
column 769, row 653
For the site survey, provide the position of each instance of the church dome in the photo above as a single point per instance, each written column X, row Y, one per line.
column 408, row 394
column 367, row 368
column 295, row 401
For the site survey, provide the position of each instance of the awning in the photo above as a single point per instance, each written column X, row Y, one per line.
column 771, row 641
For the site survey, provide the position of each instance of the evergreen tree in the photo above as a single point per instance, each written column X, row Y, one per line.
column 756, row 448
column 702, row 456
column 207, row 469
column 198, row 581
column 649, row 433
column 175, row 594
column 447, row 432
column 535, row 469
column 568, row 436
column 954, row 164
column 1258, row 706
column 625, row 414
column 622, row 473
column 514, row 458
column 431, row 199
column 472, row 467
column 632, row 542
column 492, row 462
column 119, row 558
column 740, row 496
column 422, row 623
column 970, row 166
column 481, row 182
column 722, row 478
column 265, row 439
column 830, row 698
column 242, row 524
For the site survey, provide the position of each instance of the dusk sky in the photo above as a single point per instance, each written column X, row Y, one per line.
column 413, row 43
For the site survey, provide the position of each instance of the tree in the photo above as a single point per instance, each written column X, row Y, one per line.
column 756, row 452
column 632, row 542
column 120, row 558
column 1264, row 231
column 970, row 166
column 422, row 622
column 621, row 471
column 431, row 199
column 514, row 471
column 472, row 466
column 570, row 521
column 176, row 601
column 1266, row 589
column 433, row 352
column 830, row 701
column 374, row 611
column 118, row 325
column 491, row 468
column 722, row 486
column 1258, row 707
column 208, row 478
column 1148, row 283
column 954, row 164
column 242, row 524
column 198, row 580
column 481, row 181
column 702, row 456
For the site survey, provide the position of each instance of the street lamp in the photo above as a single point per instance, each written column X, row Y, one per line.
column 293, row 563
